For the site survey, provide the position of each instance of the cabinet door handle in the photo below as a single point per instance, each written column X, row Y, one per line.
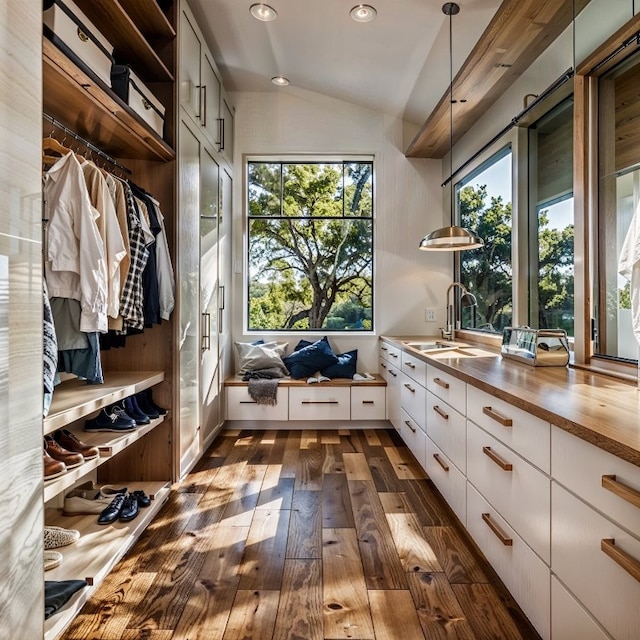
column 408, row 386
column 320, row 402
column 203, row 107
column 222, row 295
column 505, row 422
column 505, row 466
column 500, row 534
column 625, row 560
column 409, row 425
column 411, row 366
column 442, row 383
column 368, row 402
column 220, row 142
column 439, row 460
column 393, row 355
column 440, row 412
column 393, row 373
column 206, row 332
column 622, row 490
column 383, row 365
column 383, row 348
column 248, row 402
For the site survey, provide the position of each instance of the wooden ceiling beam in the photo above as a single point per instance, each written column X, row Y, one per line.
column 518, row 33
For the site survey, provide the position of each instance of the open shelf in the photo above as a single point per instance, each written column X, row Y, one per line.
column 149, row 18
column 109, row 443
column 92, row 110
column 97, row 551
column 130, row 45
column 75, row 399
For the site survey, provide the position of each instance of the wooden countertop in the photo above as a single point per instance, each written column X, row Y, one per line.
column 600, row 409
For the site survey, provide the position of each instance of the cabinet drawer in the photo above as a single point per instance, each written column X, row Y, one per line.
column 320, row 403
column 448, row 388
column 584, row 469
column 413, row 399
column 240, row 406
column 368, row 403
column 569, row 619
column 414, row 368
column 446, row 476
column 519, row 492
column 523, row 573
column 390, row 353
column 414, row 437
column 525, row 434
column 447, row 428
column 605, row 588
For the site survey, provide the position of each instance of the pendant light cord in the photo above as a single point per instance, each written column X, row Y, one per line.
column 451, row 205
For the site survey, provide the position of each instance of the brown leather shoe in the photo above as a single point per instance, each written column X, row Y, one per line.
column 52, row 468
column 57, row 452
column 68, row 441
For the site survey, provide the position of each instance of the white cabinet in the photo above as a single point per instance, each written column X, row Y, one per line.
column 413, row 399
column 414, row 437
column 448, row 430
column 521, row 570
column 367, row 403
column 450, row 481
column 326, row 403
column 240, row 406
column 226, row 137
column 598, row 561
column 448, row 388
column 390, row 371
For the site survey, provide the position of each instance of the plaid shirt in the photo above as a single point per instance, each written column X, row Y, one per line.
column 131, row 300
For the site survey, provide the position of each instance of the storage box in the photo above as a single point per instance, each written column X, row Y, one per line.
column 537, row 347
column 126, row 84
column 72, row 32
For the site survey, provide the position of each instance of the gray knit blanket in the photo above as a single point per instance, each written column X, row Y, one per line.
column 263, row 385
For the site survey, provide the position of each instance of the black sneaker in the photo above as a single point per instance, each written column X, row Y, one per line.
column 113, row 511
column 133, row 410
column 129, row 508
column 143, row 499
column 113, row 418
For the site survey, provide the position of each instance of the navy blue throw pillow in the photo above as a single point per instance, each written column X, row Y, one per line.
column 307, row 360
column 303, row 343
column 345, row 367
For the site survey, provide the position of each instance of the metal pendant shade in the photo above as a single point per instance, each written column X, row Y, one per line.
column 452, row 238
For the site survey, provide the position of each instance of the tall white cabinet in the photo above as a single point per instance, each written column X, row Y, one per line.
column 205, row 154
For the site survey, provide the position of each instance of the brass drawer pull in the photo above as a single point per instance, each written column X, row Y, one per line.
column 627, row 493
column 409, row 387
column 441, row 462
column 368, row 402
column 409, row 425
column 505, row 422
column 500, row 534
column 320, row 402
column 620, row 557
column 505, row 466
column 441, row 383
column 411, row 366
column 440, row 412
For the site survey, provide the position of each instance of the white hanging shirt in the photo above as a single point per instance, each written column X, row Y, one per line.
column 629, row 266
column 75, row 265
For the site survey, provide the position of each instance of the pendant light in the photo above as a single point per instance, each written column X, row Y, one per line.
column 452, row 238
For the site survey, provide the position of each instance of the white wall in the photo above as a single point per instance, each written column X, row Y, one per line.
column 408, row 204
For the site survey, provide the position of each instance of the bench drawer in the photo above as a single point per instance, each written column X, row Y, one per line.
column 368, row 403
column 320, row 403
column 240, row 406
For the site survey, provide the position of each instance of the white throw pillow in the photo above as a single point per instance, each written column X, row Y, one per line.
column 261, row 356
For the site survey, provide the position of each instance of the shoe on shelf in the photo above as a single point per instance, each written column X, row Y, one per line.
column 113, row 510
column 52, row 468
column 145, row 400
column 113, row 418
column 84, row 500
column 52, row 559
column 70, row 442
column 57, row 452
column 110, row 491
column 55, row 537
column 143, row 499
column 133, row 410
column 129, row 508
column 144, row 406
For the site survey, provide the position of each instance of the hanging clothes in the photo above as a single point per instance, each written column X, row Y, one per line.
column 50, row 351
column 629, row 266
column 166, row 278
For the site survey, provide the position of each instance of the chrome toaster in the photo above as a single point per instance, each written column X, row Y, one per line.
column 536, row 347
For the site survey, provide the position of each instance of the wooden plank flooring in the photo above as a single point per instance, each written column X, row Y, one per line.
column 303, row 535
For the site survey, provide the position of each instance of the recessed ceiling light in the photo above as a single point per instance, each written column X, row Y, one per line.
column 263, row 12
column 363, row 13
column 281, row 81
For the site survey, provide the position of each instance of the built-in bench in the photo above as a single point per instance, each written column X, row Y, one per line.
column 340, row 399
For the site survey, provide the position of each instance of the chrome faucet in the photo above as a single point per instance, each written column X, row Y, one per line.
column 466, row 300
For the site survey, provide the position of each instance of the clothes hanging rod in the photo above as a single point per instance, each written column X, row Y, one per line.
column 567, row 75
column 105, row 156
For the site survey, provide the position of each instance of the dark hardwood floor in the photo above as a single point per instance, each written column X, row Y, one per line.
column 303, row 535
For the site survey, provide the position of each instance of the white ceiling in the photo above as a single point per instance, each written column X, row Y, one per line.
column 397, row 64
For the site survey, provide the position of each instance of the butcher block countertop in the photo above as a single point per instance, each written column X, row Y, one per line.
column 602, row 410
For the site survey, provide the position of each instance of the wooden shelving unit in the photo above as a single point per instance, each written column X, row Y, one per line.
column 130, row 44
column 149, row 18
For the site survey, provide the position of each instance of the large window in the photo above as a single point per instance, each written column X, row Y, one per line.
column 310, row 252
column 483, row 200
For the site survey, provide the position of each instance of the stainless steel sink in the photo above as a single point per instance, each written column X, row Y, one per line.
column 429, row 346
